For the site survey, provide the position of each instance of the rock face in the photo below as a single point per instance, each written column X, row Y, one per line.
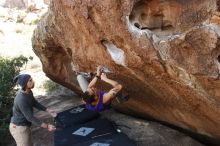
column 163, row 52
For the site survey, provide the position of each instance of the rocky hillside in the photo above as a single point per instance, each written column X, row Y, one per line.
column 163, row 52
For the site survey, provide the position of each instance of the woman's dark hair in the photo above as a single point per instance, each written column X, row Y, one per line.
column 88, row 98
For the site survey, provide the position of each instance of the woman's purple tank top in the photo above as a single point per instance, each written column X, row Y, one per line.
column 99, row 107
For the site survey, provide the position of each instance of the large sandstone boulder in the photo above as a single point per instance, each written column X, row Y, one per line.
column 163, row 52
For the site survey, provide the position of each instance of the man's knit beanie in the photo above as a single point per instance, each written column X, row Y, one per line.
column 22, row 79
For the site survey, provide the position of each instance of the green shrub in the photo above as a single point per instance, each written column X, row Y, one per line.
column 50, row 85
column 9, row 68
column 18, row 30
column 34, row 22
column 2, row 32
column 20, row 18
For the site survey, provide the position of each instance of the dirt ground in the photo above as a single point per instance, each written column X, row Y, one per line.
column 145, row 133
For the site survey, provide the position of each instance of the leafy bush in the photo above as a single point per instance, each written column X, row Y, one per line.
column 50, row 85
column 35, row 22
column 18, row 30
column 9, row 68
column 2, row 32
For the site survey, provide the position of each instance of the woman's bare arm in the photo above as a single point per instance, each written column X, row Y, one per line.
column 94, row 80
column 116, row 88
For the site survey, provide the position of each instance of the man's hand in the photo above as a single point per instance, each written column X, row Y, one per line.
column 52, row 112
column 51, row 127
